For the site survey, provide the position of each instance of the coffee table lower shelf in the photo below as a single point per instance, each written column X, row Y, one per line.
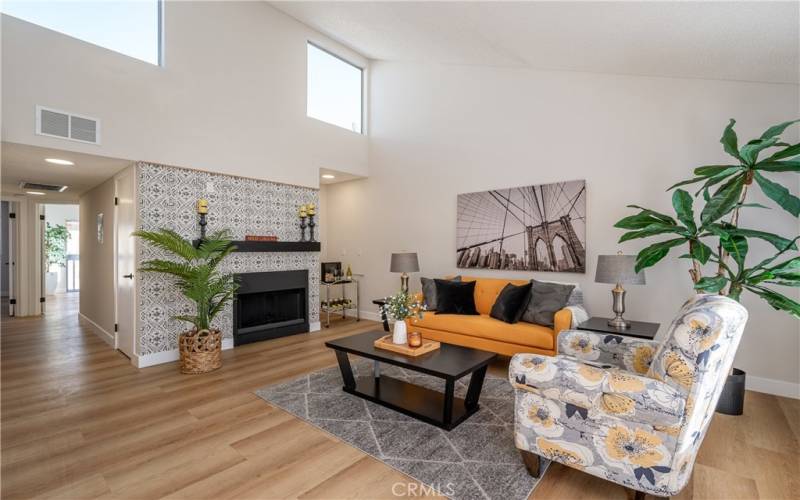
column 413, row 400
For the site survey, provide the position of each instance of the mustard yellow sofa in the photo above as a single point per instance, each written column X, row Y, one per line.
column 489, row 334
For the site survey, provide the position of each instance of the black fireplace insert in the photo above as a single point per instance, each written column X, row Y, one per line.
column 269, row 305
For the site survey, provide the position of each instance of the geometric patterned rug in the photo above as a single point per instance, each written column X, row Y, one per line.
column 476, row 460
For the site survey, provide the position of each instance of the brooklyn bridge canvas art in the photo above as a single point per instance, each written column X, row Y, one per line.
column 531, row 228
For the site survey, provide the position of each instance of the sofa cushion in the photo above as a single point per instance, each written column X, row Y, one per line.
column 429, row 291
column 485, row 326
column 509, row 304
column 453, row 297
column 545, row 299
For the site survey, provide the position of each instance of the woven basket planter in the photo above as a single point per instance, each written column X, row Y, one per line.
column 200, row 353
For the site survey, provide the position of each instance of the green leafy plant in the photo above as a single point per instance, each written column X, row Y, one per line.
column 403, row 305
column 55, row 244
column 195, row 270
column 715, row 235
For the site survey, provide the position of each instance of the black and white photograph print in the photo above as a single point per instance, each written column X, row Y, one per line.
column 531, row 228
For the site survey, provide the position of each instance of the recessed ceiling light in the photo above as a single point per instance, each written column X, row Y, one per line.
column 58, row 161
column 328, row 176
column 63, row 188
column 37, row 193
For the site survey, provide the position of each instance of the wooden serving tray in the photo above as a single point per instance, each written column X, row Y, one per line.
column 427, row 346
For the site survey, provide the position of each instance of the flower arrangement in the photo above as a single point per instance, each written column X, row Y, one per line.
column 403, row 305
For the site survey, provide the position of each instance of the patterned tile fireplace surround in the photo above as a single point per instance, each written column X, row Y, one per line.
column 167, row 198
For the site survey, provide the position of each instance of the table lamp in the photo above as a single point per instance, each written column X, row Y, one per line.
column 618, row 269
column 404, row 263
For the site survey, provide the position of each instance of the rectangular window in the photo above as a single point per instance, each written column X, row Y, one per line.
column 334, row 89
column 130, row 27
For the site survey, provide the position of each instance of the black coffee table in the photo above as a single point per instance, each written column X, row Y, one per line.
column 449, row 362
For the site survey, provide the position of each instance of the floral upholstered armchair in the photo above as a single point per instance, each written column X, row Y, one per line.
column 628, row 410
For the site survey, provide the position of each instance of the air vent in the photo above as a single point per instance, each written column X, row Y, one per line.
column 54, row 123
column 37, row 186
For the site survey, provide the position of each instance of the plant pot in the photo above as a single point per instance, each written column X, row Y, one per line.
column 50, row 282
column 731, row 401
column 200, row 352
column 400, row 333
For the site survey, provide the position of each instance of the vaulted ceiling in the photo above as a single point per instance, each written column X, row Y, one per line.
column 748, row 41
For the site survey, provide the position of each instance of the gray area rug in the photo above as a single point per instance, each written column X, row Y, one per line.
column 476, row 460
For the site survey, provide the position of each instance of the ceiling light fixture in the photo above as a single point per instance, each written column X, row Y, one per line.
column 58, row 161
column 328, row 176
column 37, row 193
column 63, row 188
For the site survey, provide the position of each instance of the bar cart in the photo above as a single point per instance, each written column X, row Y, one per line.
column 339, row 305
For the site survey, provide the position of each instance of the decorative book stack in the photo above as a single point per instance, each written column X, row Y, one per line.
column 256, row 237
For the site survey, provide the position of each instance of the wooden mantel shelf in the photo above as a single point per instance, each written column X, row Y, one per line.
column 274, row 246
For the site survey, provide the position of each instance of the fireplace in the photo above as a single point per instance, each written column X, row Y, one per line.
column 269, row 305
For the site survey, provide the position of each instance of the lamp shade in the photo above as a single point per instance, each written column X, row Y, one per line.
column 618, row 269
column 404, row 263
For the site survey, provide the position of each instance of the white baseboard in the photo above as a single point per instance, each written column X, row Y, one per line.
column 370, row 315
column 158, row 358
column 108, row 338
column 771, row 386
column 315, row 326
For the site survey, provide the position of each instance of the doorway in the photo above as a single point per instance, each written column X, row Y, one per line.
column 125, row 224
column 62, row 252
column 7, row 258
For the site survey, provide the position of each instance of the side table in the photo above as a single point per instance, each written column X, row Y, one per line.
column 380, row 303
column 638, row 329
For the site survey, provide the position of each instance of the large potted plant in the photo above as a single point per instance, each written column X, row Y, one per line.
column 55, row 250
column 718, row 239
column 197, row 277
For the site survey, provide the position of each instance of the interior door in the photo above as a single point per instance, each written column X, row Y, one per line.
column 126, row 262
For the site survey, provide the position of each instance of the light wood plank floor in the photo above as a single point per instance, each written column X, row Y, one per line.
column 78, row 421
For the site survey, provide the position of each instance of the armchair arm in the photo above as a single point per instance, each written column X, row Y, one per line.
column 601, row 391
column 631, row 354
column 562, row 320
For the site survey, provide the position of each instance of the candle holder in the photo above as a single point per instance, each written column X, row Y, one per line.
column 414, row 339
column 202, row 210
column 303, row 229
column 311, row 226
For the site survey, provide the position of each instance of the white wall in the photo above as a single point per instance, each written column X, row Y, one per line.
column 97, row 259
column 442, row 130
column 230, row 98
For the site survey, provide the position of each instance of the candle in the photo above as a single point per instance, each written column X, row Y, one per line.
column 414, row 339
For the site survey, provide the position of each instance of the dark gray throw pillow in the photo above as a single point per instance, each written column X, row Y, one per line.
column 544, row 300
column 508, row 305
column 429, row 292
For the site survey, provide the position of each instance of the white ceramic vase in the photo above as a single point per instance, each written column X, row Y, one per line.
column 400, row 334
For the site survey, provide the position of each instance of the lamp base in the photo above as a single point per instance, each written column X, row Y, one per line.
column 619, row 323
column 404, row 283
column 618, row 306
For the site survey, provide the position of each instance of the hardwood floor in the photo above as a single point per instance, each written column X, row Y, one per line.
column 79, row 421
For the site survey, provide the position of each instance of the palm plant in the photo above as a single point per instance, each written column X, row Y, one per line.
column 196, row 272
column 719, row 219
